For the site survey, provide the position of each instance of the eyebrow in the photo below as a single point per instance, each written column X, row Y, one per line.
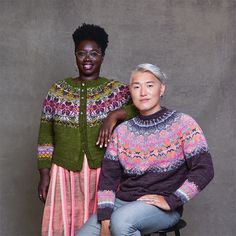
column 93, row 50
column 148, row 82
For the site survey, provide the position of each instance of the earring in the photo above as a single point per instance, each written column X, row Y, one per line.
column 161, row 96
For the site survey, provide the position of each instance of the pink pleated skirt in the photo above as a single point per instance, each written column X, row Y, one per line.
column 71, row 200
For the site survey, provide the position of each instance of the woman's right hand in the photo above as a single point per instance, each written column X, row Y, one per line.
column 108, row 126
column 43, row 184
column 105, row 231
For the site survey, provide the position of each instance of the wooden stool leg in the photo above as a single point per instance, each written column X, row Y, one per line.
column 177, row 233
column 162, row 234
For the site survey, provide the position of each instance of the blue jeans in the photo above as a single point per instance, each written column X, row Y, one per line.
column 132, row 219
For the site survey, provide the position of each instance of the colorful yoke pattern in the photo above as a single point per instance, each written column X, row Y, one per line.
column 165, row 153
column 72, row 115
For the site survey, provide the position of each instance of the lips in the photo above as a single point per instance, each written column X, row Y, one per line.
column 144, row 100
column 87, row 66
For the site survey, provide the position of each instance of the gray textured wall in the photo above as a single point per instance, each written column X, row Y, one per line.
column 193, row 41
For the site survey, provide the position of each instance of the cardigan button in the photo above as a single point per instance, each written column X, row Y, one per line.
column 81, row 113
column 83, row 84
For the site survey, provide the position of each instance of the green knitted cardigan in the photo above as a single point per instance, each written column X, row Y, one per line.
column 72, row 115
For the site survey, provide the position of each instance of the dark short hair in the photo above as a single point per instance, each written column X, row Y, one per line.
column 91, row 32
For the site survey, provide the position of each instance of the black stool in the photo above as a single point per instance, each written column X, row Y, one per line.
column 181, row 224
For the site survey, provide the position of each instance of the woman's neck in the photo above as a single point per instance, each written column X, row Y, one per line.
column 88, row 78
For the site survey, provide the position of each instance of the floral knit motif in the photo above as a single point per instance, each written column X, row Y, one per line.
column 157, row 145
column 73, row 112
column 187, row 191
column 165, row 153
column 106, row 199
column 63, row 102
column 45, row 151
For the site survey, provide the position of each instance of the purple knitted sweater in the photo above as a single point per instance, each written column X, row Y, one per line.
column 165, row 153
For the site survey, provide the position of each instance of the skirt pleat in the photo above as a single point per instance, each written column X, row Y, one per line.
column 71, row 200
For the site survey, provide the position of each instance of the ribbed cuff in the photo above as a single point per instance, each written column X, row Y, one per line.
column 173, row 201
column 104, row 213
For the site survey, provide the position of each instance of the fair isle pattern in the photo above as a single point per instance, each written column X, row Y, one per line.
column 45, row 151
column 106, row 198
column 194, row 140
column 187, row 191
column 109, row 156
column 160, row 145
column 104, row 99
column 62, row 104
column 147, row 127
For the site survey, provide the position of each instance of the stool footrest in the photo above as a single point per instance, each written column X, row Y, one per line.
column 181, row 224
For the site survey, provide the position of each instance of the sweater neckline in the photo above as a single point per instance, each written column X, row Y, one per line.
column 74, row 82
column 155, row 115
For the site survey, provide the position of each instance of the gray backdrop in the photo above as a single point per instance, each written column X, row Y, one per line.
column 193, row 41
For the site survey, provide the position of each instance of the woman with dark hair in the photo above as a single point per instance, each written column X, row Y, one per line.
column 78, row 117
column 154, row 164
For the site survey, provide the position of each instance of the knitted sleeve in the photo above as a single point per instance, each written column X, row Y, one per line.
column 109, row 180
column 131, row 110
column 198, row 160
column 122, row 95
column 46, row 136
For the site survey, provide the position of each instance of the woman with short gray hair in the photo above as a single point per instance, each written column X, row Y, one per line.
column 154, row 164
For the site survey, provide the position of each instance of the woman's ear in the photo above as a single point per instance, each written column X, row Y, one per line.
column 163, row 89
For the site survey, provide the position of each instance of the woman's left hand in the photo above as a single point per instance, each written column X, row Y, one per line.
column 156, row 200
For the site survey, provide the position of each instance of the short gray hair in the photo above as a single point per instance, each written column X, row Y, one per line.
column 146, row 67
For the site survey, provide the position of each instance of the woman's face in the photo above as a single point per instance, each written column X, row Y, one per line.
column 89, row 59
column 146, row 91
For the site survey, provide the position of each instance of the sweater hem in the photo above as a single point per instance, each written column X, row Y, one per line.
column 75, row 166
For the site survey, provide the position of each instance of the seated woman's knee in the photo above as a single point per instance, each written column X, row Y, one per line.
column 120, row 224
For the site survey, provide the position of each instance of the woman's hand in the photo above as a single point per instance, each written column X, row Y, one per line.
column 43, row 184
column 108, row 126
column 106, row 131
column 156, row 200
column 105, row 231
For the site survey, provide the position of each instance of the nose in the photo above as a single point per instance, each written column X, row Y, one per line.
column 143, row 91
column 87, row 57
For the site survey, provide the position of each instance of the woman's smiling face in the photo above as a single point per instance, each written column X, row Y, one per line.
column 146, row 91
column 89, row 58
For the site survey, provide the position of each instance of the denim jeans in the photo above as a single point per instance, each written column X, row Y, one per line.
column 132, row 219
